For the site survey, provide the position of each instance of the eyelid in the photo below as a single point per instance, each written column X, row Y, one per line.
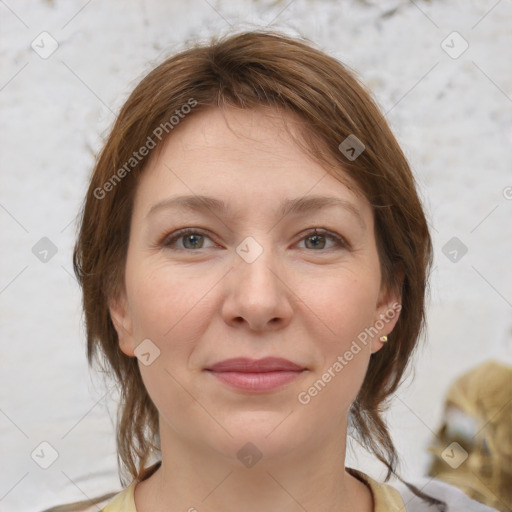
column 176, row 235
column 340, row 241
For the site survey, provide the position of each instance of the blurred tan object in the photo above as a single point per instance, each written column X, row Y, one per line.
column 473, row 449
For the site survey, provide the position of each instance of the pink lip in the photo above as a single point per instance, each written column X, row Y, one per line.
column 256, row 374
column 244, row 364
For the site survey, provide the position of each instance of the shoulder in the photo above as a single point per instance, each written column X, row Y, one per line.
column 385, row 497
column 125, row 501
column 455, row 499
column 398, row 497
column 121, row 502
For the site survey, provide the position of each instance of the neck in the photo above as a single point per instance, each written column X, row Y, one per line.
column 309, row 478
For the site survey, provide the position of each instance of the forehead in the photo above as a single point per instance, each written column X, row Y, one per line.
column 246, row 158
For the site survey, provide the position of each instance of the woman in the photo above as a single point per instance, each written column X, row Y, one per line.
column 254, row 259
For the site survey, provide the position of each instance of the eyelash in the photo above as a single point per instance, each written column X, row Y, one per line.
column 168, row 240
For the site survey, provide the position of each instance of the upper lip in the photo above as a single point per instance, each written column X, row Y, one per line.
column 247, row 365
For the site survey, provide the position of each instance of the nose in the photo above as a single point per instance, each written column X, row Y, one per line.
column 258, row 294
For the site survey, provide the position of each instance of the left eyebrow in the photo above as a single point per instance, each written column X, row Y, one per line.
column 288, row 207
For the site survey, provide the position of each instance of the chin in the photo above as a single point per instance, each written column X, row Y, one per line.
column 260, row 435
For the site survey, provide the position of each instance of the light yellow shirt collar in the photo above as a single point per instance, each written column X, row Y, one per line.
column 385, row 497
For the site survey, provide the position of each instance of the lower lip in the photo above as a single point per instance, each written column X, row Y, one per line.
column 255, row 382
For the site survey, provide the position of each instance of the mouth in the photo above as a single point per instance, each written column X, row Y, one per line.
column 256, row 375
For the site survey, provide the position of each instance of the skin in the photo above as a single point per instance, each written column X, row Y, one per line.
column 199, row 302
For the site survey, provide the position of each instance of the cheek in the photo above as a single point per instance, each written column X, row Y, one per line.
column 167, row 306
column 342, row 308
column 345, row 305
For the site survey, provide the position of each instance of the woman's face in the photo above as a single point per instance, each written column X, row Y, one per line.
column 250, row 281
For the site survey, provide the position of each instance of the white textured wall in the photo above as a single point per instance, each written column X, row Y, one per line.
column 452, row 116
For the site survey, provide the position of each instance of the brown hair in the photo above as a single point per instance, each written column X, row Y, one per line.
column 249, row 70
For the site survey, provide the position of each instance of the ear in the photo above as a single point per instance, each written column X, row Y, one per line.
column 389, row 305
column 120, row 315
